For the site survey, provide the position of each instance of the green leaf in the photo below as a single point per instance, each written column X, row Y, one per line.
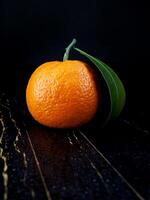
column 114, row 84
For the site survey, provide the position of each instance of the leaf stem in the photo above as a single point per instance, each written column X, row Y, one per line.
column 71, row 45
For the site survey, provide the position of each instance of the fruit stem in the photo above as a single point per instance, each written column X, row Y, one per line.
column 71, row 45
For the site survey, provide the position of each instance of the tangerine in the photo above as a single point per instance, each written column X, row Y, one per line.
column 63, row 94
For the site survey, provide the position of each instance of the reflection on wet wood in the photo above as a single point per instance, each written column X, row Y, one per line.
column 42, row 163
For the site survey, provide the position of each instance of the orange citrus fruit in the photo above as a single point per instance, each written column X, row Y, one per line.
column 63, row 94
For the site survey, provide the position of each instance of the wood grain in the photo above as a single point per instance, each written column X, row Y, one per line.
column 41, row 163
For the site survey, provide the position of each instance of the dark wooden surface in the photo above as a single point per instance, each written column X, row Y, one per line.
column 112, row 163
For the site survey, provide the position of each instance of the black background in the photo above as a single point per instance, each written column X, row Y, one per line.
column 33, row 32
